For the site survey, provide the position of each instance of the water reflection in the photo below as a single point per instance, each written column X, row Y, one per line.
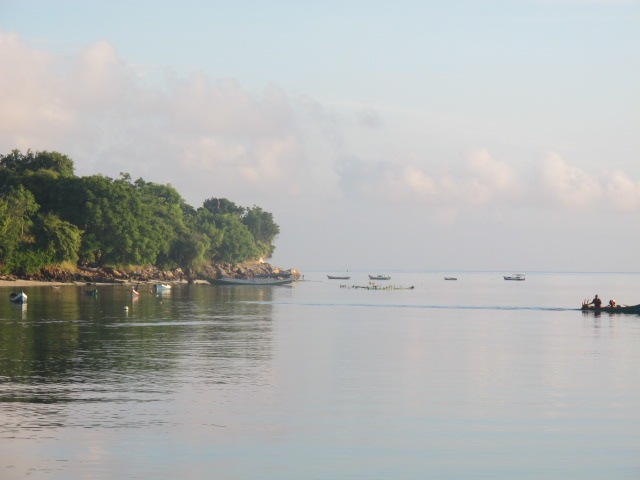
column 71, row 348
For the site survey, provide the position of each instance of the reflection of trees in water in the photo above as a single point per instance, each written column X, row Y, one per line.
column 72, row 347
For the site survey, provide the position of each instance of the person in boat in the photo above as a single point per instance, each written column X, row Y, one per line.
column 596, row 302
column 612, row 303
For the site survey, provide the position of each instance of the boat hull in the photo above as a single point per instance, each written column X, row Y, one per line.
column 18, row 297
column 334, row 277
column 379, row 277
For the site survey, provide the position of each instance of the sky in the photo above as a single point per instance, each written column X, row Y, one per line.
column 486, row 135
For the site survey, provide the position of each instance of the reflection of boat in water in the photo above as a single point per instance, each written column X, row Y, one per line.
column 18, row 297
column 379, row 277
column 258, row 280
column 92, row 293
column 338, row 277
column 609, row 309
column 515, row 276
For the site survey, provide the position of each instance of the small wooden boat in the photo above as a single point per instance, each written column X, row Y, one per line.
column 338, row 277
column 450, row 278
column 379, row 277
column 18, row 297
column 252, row 281
column 161, row 287
column 516, row 276
column 609, row 309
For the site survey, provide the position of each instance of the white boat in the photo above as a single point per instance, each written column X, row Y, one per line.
column 515, row 276
column 258, row 280
column 161, row 287
column 18, row 297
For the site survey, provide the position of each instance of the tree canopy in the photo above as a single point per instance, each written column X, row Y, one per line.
column 48, row 215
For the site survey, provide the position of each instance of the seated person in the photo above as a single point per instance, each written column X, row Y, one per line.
column 596, row 302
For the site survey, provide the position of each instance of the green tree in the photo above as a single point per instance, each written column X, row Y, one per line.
column 17, row 208
column 116, row 224
column 165, row 223
column 237, row 243
column 19, row 163
column 60, row 240
column 263, row 229
column 223, row 206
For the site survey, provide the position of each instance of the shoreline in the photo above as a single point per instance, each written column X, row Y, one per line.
column 42, row 283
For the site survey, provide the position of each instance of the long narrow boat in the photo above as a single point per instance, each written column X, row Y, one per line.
column 18, row 297
column 608, row 309
column 252, row 281
column 338, row 277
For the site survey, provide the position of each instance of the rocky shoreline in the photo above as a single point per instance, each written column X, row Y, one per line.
column 149, row 273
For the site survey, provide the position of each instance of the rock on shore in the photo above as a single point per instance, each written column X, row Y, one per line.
column 149, row 273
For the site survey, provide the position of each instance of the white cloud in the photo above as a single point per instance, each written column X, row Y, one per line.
column 212, row 137
column 572, row 187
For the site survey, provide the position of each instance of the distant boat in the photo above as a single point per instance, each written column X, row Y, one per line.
column 379, row 277
column 515, row 276
column 338, row 277
column 18, row 297
column 266, row 280
column 450, row 278
column 161, row 287
column 134, row 292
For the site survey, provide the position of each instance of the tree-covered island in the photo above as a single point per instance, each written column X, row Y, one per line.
column 51, row 219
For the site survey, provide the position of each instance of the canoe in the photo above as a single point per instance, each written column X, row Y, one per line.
column 18, row 297
column 379, row 277
column 252, row 281
column 337, row 277
column 616, row 309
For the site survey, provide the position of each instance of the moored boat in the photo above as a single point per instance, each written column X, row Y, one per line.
column 338, row 277
column 161, row 287
column 18, row 297
column 516, row 276
column 379, row 277
column 450, row 278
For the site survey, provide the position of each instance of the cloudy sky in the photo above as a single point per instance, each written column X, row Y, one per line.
column 499, row 135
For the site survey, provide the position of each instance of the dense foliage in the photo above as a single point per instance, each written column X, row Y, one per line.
column 49, row 216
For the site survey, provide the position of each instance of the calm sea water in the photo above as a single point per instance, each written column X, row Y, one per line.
column 474, row 379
